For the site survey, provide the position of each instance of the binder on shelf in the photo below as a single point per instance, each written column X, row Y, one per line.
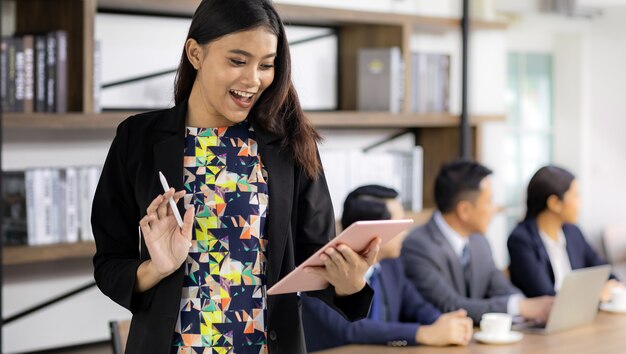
column 380, row 79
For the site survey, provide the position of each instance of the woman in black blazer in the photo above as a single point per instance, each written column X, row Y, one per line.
column 552, row 211
column 244, row 161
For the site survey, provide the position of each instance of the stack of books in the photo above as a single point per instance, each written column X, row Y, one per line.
column 48, row 205
column 34, row 72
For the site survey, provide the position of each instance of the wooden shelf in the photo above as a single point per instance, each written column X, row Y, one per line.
column 338, row 119
column 355, row 119
column 312, row 15
column 64, row 121
column 15, row 255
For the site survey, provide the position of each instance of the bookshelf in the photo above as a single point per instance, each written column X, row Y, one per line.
column 437, row 132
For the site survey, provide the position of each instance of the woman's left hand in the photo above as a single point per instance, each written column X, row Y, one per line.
column 344, row 268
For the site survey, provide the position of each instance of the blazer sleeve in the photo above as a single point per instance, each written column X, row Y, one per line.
column 315, row 226
column 591, row 257
column 427, row 276
column 527, row 271
column 114, row 221
column 365, row 331
column 414, row 307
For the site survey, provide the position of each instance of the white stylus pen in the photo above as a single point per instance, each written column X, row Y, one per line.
column 166, row 187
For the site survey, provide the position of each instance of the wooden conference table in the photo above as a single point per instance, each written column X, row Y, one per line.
column 606, row 335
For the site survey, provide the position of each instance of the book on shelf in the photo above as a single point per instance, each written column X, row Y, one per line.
column 380, row 79
column 14, row 224
column 29, row 69
column 400, row 169
column 34, row 72
column 97, row 76
column 430, row 82
column 87, row 182
column 49, row 205
column 40, row 73
column 4, row 73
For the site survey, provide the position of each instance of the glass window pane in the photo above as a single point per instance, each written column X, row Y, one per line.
column 536, row 108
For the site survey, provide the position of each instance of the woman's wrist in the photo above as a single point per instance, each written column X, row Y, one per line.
column 148, row 276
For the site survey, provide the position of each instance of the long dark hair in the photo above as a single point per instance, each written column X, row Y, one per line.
column 278, row 109
column 547, row 181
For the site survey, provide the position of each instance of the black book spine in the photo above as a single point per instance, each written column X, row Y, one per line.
column 40, row 73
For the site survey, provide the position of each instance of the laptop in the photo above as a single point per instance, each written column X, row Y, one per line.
column 576, row 304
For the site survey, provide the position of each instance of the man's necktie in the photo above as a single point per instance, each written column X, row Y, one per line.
column 465, row 262
column 374, row 282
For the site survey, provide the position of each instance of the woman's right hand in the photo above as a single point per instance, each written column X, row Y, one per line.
column 167, row 243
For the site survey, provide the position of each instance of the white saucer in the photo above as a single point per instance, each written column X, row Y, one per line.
column 610, row 307
column 512, row 337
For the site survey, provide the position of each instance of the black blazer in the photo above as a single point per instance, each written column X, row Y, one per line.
column 531, row 270
column 300, row 221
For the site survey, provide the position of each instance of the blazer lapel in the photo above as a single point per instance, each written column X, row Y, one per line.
column 541, row 248
column 280, row 184
column 168, row 152
column 453, row 261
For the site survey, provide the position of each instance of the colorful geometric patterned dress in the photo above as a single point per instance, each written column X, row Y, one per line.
column 223, row 308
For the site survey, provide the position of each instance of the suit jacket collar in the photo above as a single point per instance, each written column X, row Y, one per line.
column 451, row 258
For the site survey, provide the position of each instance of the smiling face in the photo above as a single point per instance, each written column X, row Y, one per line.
column 232, row 73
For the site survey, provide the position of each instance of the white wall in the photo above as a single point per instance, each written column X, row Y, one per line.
column 423, row 7
column 605, row 170
column 83, row 318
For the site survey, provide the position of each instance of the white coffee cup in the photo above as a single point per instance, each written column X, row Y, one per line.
column 496, row 325
column 618, row 298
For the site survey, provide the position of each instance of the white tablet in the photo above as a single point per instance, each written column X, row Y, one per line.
column 357, row 236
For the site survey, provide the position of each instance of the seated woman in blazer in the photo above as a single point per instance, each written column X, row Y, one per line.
column 546, row 246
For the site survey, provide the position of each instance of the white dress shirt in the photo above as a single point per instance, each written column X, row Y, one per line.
column 458, row 242
column 559, row 259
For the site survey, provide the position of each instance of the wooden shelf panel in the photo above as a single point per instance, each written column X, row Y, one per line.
column 15, row 255
column 338, row 119
column 355, row 119
column 314, row 15
column 64, row 121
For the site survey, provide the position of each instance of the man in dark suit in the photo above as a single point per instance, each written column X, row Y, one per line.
column 448, row 259
column 399, row 315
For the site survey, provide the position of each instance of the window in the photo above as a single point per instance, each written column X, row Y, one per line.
column 529, row 133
